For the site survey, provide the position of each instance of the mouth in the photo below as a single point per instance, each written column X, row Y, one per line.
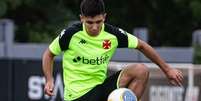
column 94, row 32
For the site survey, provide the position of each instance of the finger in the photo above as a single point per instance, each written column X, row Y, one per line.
column 49, row 92
column 178, row 82
column 180, row 78
column 181, row 75
column 180, row 72
column 173, row 82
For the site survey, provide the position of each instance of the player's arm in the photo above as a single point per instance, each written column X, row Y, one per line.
column 47, row 64
column 175, row 76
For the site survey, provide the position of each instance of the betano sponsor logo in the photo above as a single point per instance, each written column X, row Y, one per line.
column 93, row 61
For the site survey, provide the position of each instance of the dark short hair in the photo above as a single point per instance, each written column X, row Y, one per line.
column 92, row 7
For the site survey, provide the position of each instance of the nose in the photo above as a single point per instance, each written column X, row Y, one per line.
column 94, row 27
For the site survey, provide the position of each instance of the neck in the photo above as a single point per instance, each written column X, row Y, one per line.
column 93, row 34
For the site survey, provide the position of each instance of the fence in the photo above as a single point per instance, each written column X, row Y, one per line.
column 22, row 78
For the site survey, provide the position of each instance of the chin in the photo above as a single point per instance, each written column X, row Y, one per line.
column 95, row 34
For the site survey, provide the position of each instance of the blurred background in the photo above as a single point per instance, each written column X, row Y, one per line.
column 172, row 27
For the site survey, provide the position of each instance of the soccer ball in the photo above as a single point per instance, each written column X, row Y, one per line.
column 122, row 94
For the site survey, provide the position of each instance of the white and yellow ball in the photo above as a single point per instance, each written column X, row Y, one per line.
column 122, row 94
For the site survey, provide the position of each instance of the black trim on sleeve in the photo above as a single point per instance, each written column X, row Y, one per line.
column 66, row 35
column 121, row 35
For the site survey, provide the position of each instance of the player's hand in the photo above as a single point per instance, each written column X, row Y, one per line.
column 48, row 89
column 175, row 76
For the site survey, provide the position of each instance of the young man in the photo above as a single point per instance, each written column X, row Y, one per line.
column 87, row 48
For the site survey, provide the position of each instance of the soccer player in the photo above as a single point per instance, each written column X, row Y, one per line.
column 87, row 48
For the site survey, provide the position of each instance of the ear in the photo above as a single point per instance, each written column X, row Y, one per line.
column 104, row 15
column 81, row 18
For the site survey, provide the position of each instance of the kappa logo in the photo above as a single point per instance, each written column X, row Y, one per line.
column 82, row 41
column 122, row 31
column 62, row 33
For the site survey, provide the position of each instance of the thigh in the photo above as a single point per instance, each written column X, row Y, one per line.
column 101, row 92
column 110, row 84
column 93, row 95
column 132, row 73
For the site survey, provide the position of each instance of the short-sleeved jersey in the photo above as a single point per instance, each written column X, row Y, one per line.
column 85, row 58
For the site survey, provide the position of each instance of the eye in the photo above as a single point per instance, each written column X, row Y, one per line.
column 89, row 22
column 98, row 22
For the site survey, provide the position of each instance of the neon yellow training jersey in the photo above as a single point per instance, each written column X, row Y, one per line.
column 85, row 58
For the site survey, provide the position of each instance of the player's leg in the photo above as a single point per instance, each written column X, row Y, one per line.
column 134, row 77
column 94, row 95
column 101, row 91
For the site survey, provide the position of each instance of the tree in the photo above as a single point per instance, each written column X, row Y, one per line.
column 170, row 22
column 38, row 21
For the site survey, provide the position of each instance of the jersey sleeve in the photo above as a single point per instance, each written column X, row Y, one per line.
column 132, row 41
column 54, row 47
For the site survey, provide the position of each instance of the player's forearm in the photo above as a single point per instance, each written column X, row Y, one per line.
column 149, row 52
column 47, row 63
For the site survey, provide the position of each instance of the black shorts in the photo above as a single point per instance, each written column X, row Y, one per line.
column 101, row 92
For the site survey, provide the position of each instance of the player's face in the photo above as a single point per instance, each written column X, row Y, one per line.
column 94, row 24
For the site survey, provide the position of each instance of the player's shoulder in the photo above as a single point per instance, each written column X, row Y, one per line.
column 120, row 34
column 67, row 33
column 72, row 29
column 114, row 30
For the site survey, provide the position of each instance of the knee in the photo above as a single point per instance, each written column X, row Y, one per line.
column 140, row 69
